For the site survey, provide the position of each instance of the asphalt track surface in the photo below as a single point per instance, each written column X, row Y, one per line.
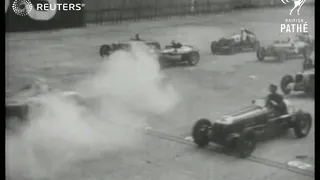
column 218, row 85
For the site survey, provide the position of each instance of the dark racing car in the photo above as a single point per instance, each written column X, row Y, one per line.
column 241, row 130
column 106, row 50
column 303, row 81
column 282, row 50
column 30, row 98
column 177, row 53
column 238, row 42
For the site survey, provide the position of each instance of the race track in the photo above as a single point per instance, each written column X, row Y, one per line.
column 216, row 86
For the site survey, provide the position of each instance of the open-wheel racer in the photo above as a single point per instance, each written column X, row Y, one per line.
column 177, row 52
column 240, row 131
column 292, row 47
column 237, row 42
column 106, row 50
column 303, row 81
column 31, row 97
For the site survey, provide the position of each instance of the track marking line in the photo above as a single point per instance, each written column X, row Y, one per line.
column 255, row 159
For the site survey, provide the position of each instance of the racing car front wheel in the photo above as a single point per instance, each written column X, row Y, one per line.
column 285, row 81
column 302, row 125
column 193, row 58
column 214, row 47
column 245, row 145
column 200, row 132
column 104, row 50
column 261, row 53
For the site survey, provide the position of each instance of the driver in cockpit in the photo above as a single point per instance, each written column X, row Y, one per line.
column 175, row 45
column 276, row 100
column 136, row 37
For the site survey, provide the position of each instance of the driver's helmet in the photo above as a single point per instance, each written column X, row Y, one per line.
column 173, row 42
column 273, row 88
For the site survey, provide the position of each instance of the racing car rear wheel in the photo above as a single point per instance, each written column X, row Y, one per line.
column 246, row 144
column 105, row 50
column 302, row 125
column 213, row 47
column 285, row 81
column 193, row 58
column 200, row 132
column 261, row 53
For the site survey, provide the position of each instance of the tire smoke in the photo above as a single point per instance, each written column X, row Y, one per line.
column 126, row 89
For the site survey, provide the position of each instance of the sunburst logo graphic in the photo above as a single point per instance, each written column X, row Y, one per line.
column 22, row 7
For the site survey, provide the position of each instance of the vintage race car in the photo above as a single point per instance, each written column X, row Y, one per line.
column 305, row 37
column 236, row 43
column 31, row 97
column 303, row 81
column 106, row 50
column 182, row 53
column 283, row 49
column 240, row 131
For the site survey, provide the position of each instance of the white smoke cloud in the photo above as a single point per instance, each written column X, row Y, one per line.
column 124, row 91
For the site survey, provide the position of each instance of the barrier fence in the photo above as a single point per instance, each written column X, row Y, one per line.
column 155, row 8
column 152, row 12
column 100, row 11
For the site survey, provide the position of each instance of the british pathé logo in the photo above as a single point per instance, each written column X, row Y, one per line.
column 297, row 4
column 294, row 25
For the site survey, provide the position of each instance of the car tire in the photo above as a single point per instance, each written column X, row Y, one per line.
column 307, row 64
column 193, row 58
column 104, row 50
column 214, row 47
column 285, row 81
column 302, row 124
column 245, row 145
column 200, row 132
column 261, row 53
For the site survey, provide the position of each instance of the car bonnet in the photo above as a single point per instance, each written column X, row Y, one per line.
column 245, row 113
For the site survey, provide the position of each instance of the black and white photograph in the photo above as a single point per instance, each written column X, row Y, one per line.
column 160, row 89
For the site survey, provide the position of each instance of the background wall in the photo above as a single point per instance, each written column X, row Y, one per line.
column 99, row 11
column 40, row 20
